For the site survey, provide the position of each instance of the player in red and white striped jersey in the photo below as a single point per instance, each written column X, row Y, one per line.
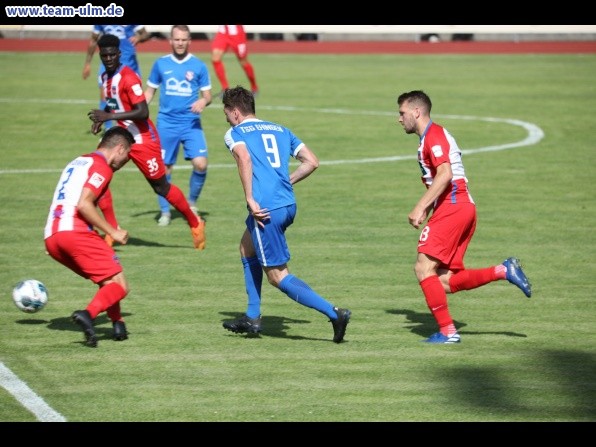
column 127, row 104
column 70, row 237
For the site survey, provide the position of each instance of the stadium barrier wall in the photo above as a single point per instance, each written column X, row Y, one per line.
column 341, row 32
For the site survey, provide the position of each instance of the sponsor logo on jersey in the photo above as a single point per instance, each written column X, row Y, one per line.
column 97, row 179
column 112, row 103
column 177, row 88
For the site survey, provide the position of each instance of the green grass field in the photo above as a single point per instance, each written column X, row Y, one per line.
column 520, row 359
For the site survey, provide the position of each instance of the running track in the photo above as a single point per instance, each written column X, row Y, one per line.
column 334, row 47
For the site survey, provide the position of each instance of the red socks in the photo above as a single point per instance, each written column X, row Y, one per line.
column 250, row 74
column 220, row 72
column 105, row 298
column 436, row 297
column 470, row 279
column 178, row 201
column 436, row 300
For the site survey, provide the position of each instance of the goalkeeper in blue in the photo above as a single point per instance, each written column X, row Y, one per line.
column 263, row 151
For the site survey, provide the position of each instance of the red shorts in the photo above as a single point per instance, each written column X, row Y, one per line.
column 86, row 254
column 147, row 157
column 447, row 234
column 236, row 43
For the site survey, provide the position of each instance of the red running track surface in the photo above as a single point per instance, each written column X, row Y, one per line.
column 333, row 47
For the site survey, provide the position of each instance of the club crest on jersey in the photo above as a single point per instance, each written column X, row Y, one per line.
column 137, row 89
column 97, row 179
column 189, row 75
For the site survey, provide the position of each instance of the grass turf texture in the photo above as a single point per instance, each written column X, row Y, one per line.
column 520, row 359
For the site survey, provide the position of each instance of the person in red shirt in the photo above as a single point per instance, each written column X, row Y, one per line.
column 69, row 234
column 231, row 37
column 444, row 239
column 127, row 104
column 130, row 36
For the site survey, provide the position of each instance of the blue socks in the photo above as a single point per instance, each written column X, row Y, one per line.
column 195, row 185
column 292, row 286
column 253, row 279
column 301, row 292
column 164, row 205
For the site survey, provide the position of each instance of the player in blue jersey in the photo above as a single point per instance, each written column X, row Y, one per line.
column 130, row 36
column 186, row 91
column 262, row 151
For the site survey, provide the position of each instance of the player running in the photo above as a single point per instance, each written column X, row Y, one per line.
column 126, row 103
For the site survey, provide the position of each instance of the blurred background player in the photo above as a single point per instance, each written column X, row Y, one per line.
column 185, row 94
column 234, row 37
column 130, row 36
column 69, row 236
column 126, row 103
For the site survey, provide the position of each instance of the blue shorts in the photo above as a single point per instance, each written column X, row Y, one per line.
column 191, row 137
column 270, row 242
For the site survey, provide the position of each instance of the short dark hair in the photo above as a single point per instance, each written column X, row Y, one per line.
column 417, row 97
column 116, row 135
column 241, row 98
column 108, row 41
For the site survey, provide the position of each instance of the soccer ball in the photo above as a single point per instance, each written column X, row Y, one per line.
column 30, row 295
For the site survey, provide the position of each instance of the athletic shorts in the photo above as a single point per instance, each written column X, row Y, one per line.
column 236, row 43
column 270, row 242
column 447, row 234
column 86, row 254
column 147, row 157
column 191, row 137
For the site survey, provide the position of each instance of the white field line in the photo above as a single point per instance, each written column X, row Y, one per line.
column 27, row 397
column 533, row 134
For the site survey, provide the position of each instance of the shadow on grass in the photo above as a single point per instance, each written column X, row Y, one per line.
column 175, row 214
column 566, row 374
column 102, row 324
column 424, row 324
column 145, row 243
column 273, row 326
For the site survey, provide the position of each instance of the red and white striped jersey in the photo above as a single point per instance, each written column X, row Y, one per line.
column 87, row 171
column 438, row 146
column 122, row 92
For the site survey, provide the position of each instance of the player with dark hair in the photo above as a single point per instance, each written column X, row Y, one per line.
column 185, row 94
column 70, row 237
column 130, row 36
column 262, row 151
column 126, row 103
column 444, row 239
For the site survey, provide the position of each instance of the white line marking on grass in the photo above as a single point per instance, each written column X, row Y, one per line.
column 534, row 134
column 27, row 397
